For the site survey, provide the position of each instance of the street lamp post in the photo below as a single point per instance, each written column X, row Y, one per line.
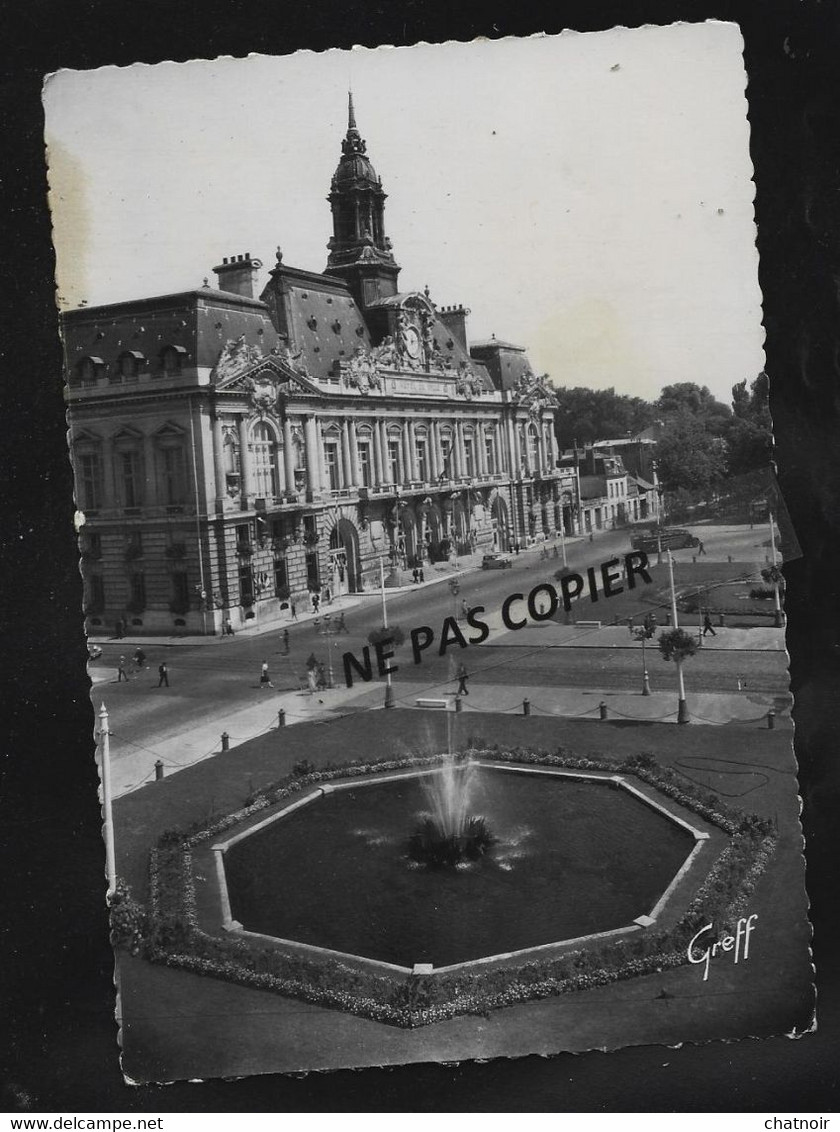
column 682, row 708
column 389, row 690
column 777, row 605
column 110, row 856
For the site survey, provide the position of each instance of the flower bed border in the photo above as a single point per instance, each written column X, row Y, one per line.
column 169, row 933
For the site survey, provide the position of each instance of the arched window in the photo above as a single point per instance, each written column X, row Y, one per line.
column 266, row 483
column 85, row 371
column 128, row 365
column 533, row 449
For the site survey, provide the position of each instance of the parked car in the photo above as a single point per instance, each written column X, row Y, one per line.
column 669, row 538
column 496, row 562
column 94, row 652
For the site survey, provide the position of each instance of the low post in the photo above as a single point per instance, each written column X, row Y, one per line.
column 668, row 618
column 225, row 741
column 682, row 711
column 281, row 717
column 158, row 771
column 721, row 620
column 389, row 694
column 771, row 719
column 459, row 706
column 602, row 708
column 526, row 706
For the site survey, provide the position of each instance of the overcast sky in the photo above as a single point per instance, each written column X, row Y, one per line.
column 588, row 196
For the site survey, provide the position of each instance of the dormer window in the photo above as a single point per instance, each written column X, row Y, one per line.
column 172, row 360
column 86, row 371
column 128, row 365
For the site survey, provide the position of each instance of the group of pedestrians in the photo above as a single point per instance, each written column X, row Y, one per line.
column 417, row 575
column 139, row 659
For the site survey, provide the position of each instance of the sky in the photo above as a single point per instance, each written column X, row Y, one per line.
column 588, row 195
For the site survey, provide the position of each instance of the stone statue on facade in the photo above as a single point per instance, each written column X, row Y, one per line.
column 236, row 356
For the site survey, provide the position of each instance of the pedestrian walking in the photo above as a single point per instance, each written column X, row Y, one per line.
column 228, row 627
column 463, row 677
column 422, row 576
column 163, row 676
column 265, row 679
column 316, row 602
column 286, row 642
column 700, row 548
column 464, row 610
column 312, row 679
column 121, row 672
column 293, row 610
column 554, row 553
column 139, row 658
column 707, row 626
column 415, row 575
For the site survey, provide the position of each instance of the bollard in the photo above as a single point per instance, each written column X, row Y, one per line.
column 458, row 704
column 158, row 771
column 225, row 741
column 602, row 708
column 526, row 706
column 771, row 719
column 668, row 618
column 721, row 620
column 281, row 717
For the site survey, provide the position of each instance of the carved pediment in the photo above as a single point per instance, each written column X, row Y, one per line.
column 534, row 392
column 263, row 377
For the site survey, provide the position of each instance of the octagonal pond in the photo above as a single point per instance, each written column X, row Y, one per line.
column 572, row 857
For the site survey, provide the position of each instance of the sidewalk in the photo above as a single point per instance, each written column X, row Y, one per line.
column 550, row 634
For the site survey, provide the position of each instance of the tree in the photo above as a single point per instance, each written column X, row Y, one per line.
column 749, row 440
column 585, row 415
column 678, row 646
column 688, row 457
column 698, row 401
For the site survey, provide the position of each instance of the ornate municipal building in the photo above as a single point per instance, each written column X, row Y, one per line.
column 234, row 454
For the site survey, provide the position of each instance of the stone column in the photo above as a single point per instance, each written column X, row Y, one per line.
column 313, row 463
column 376, row 444
column 288, row 455
column 406, row 454
column 432, row 453
column 387, row 474
column 412, row 452
column 355, row 470
column 513, row 467
column 219, row 463
column 401, row 468
column 482, row 448
column 458, row 446
column 245, row 488
column 346, row 467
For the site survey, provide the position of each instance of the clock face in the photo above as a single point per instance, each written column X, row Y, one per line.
column 411, row 341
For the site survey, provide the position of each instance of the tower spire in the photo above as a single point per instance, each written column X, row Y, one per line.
column 351, row 115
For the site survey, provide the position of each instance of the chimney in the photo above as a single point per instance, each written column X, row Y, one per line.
column 238, row 274
column 455, row 320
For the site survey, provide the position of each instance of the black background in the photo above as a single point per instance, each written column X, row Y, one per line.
column 58, row 1051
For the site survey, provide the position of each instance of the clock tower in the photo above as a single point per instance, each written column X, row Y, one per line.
column 360, row 252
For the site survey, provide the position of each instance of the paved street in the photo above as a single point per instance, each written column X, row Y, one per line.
column 214, row 683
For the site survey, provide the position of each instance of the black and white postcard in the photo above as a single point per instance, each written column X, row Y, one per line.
column 432, row 551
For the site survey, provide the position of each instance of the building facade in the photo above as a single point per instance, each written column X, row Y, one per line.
column 234, row 454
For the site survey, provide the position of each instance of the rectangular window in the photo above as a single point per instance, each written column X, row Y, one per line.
column 469, row 470
column 180, row 592
column 446, row 457
column 490, row 455
column 246, row 584
column 137, row 583
column 365, row 463
column 173, row 475
column 394, row 460
column 422, row 462
column 96, row 593
column 90, row 481
column 131, row 479
column 281, row 579
column 313, row 577
column 332, row 465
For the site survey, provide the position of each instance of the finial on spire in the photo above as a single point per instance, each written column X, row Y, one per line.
column 351, row 116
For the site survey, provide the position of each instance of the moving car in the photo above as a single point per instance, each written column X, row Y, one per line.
column 670, row 538
column 495, row 562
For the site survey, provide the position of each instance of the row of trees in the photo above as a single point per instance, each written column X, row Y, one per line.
column 701, row 441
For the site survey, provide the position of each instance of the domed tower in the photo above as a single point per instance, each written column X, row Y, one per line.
column 360, row 252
